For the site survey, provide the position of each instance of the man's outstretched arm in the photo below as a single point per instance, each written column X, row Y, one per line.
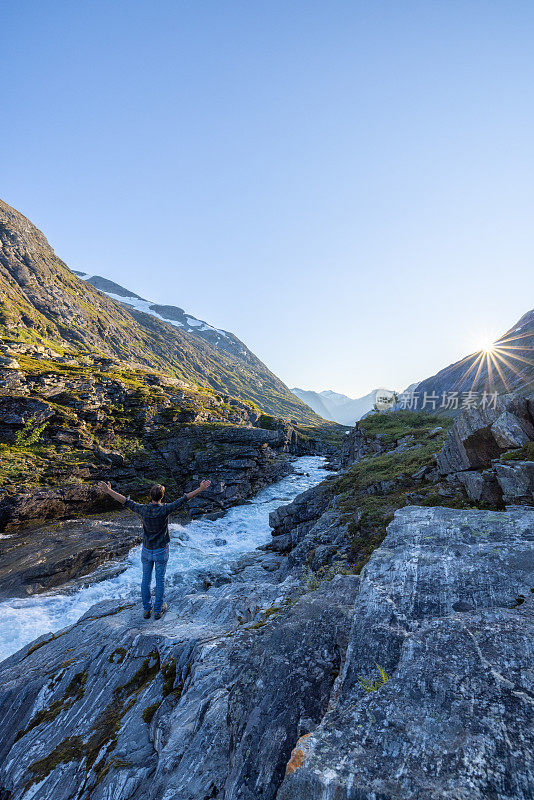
column 171, row 507
column 106, row 488
column 202, row 488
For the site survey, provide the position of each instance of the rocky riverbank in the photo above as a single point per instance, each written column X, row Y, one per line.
column 380, row 646
column 45, row 557
column 61, row 432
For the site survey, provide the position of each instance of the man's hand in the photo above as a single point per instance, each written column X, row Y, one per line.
column 204, row 485
column 106, row 488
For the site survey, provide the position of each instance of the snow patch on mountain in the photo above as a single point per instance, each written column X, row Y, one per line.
column 187, row 323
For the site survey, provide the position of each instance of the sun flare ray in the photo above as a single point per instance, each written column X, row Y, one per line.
column 497, row 363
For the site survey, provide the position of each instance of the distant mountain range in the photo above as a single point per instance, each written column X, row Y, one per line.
column 339, row 407
column 43, row 302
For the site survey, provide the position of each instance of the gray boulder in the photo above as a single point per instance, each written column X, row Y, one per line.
column 510, row 431
column 481, row 487
column 305, row 510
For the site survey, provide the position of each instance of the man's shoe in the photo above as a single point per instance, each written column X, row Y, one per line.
column 159, row 614
column 147, row 614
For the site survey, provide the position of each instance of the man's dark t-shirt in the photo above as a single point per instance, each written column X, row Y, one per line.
column 155, row 518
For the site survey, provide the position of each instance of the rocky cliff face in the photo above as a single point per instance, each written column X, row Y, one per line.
column 65, row 430
column 45, row 304
column 293, row 677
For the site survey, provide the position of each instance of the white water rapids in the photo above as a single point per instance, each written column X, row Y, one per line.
column 193, row 547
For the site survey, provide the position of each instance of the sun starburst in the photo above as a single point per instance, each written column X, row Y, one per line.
column 496, row 363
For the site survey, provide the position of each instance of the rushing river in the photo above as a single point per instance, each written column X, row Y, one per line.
column 202, row 544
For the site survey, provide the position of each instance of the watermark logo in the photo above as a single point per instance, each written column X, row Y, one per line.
column 385, row 399
column 450, row 401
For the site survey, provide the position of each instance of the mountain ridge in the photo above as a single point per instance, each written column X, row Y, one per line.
column 173, row 315
column 43, row 301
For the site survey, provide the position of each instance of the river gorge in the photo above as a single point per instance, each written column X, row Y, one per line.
column 199, row 548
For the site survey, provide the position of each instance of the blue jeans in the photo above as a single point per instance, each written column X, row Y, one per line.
column 157, row 559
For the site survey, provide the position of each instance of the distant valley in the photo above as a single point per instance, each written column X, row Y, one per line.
column 338, row 407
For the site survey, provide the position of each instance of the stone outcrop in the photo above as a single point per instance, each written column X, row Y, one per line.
column 473, row 450
column 38, row 559
column 310, row 531
column 442, row 611
column 296, row 517
column 480, row 435
column 98, row 427
column 482, row 486
column 356, row 444
column 516, row 480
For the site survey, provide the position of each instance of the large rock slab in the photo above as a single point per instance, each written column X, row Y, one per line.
column 438, row 611
column 303, row 511
column 310, row 531
column 256, row 677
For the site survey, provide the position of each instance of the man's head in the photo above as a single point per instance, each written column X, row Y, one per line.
column 157, row 492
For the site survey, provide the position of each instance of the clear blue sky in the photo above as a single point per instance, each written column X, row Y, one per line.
column 347, row 186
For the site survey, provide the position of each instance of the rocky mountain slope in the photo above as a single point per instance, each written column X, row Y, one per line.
column 339, row 407
column 508, row 368
column 380, row 646
column 43, row 303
